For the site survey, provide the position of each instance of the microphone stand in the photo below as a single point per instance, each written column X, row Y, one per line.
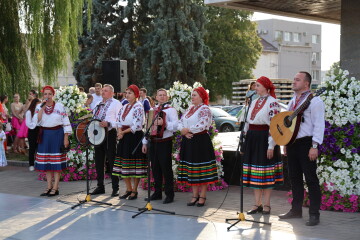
column 148, row 206
column 241, row 216
column 88, row 195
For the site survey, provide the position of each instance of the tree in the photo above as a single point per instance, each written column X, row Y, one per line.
column 48, row 35
column 173, row 48
column 99, row 43
column 235, row 48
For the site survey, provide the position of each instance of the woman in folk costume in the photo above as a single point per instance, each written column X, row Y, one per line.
column 262, row 166
column 129, row 132
column 54, row 130
column 197, row 165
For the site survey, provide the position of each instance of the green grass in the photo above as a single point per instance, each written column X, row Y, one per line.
column 17, row 157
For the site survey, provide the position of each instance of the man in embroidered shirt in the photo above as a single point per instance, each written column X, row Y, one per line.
column 161, row 148
column 302, row 154
column 106, row 111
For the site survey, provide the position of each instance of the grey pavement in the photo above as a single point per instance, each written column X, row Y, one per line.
column 25, row 215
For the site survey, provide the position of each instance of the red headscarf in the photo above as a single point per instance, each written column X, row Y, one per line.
column 135, row 89
column 48, row 87
column 268, row 85
column 203, row 94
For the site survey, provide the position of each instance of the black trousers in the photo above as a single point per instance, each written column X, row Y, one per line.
column 106, row 149
column 161, row 166
column 299, row 164
column 32, row 138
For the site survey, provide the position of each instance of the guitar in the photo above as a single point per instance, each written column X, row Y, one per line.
column 284, row 126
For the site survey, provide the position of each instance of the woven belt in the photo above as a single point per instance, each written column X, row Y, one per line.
column 159, row 140
column 259, row 127
column 200, row 133
column 41, row 131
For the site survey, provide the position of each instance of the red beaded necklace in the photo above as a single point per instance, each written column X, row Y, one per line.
column 49, row 109
column 258, row 106
column 127, row 110
column 193, row 110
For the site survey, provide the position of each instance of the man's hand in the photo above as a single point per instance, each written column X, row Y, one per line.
column 313, row 154
column 104, row 124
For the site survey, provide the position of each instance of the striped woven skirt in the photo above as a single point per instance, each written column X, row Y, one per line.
column 197, row 164
column 49, row 156
column 259, row 171
column 127, row 165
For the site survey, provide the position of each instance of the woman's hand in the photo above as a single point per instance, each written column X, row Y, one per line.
column 270, row 153
column 189, row 135
column 184, row 131
column 120, row 134
column 66, row 141
column 144, row 149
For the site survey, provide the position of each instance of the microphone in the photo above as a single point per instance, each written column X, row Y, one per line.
column 46, row 99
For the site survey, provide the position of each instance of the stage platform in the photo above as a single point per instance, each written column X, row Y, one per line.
column 24, row 215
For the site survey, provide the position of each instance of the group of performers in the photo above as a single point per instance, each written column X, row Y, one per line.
column 262, row 166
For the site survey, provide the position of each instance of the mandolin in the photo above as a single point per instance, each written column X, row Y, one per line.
column 284, row 126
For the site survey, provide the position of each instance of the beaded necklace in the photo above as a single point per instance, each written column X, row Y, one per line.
column 258, row 106
column 49, row 109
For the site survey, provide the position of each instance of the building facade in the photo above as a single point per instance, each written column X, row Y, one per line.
column 298, row 48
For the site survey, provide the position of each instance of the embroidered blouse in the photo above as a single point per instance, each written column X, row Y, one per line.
column 58, row 117
column 264, row 115
column 313, row 123
column 171, row 122
column 108, row 111
column 134, row 119
column 197, row 122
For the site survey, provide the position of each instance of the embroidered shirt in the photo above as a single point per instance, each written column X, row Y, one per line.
column 199, row 121
column 313, row 123
column 264, row 116
column 58, row 117
column 107, row 111
column 134, row 119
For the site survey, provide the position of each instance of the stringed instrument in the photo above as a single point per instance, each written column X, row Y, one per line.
column 284, row 126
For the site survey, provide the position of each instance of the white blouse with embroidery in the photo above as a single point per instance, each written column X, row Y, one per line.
column 58, row 117
column 264, row 116
column 201, row 119
column 134, row 119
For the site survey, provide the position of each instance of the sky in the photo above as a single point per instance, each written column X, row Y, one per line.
column 330, row 38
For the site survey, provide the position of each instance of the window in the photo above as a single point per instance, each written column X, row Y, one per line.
column 278, row 35
column 296, row 37
column 315, row 74
column 287, row 36
column 315, row 56
column 315, row 39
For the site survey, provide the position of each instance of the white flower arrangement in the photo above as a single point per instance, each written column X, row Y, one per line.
column 341, row 99
column 180, row 95
column 71, row 97
column 339, row 163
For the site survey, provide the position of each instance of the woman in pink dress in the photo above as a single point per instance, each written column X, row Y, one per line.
column 16, row 120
